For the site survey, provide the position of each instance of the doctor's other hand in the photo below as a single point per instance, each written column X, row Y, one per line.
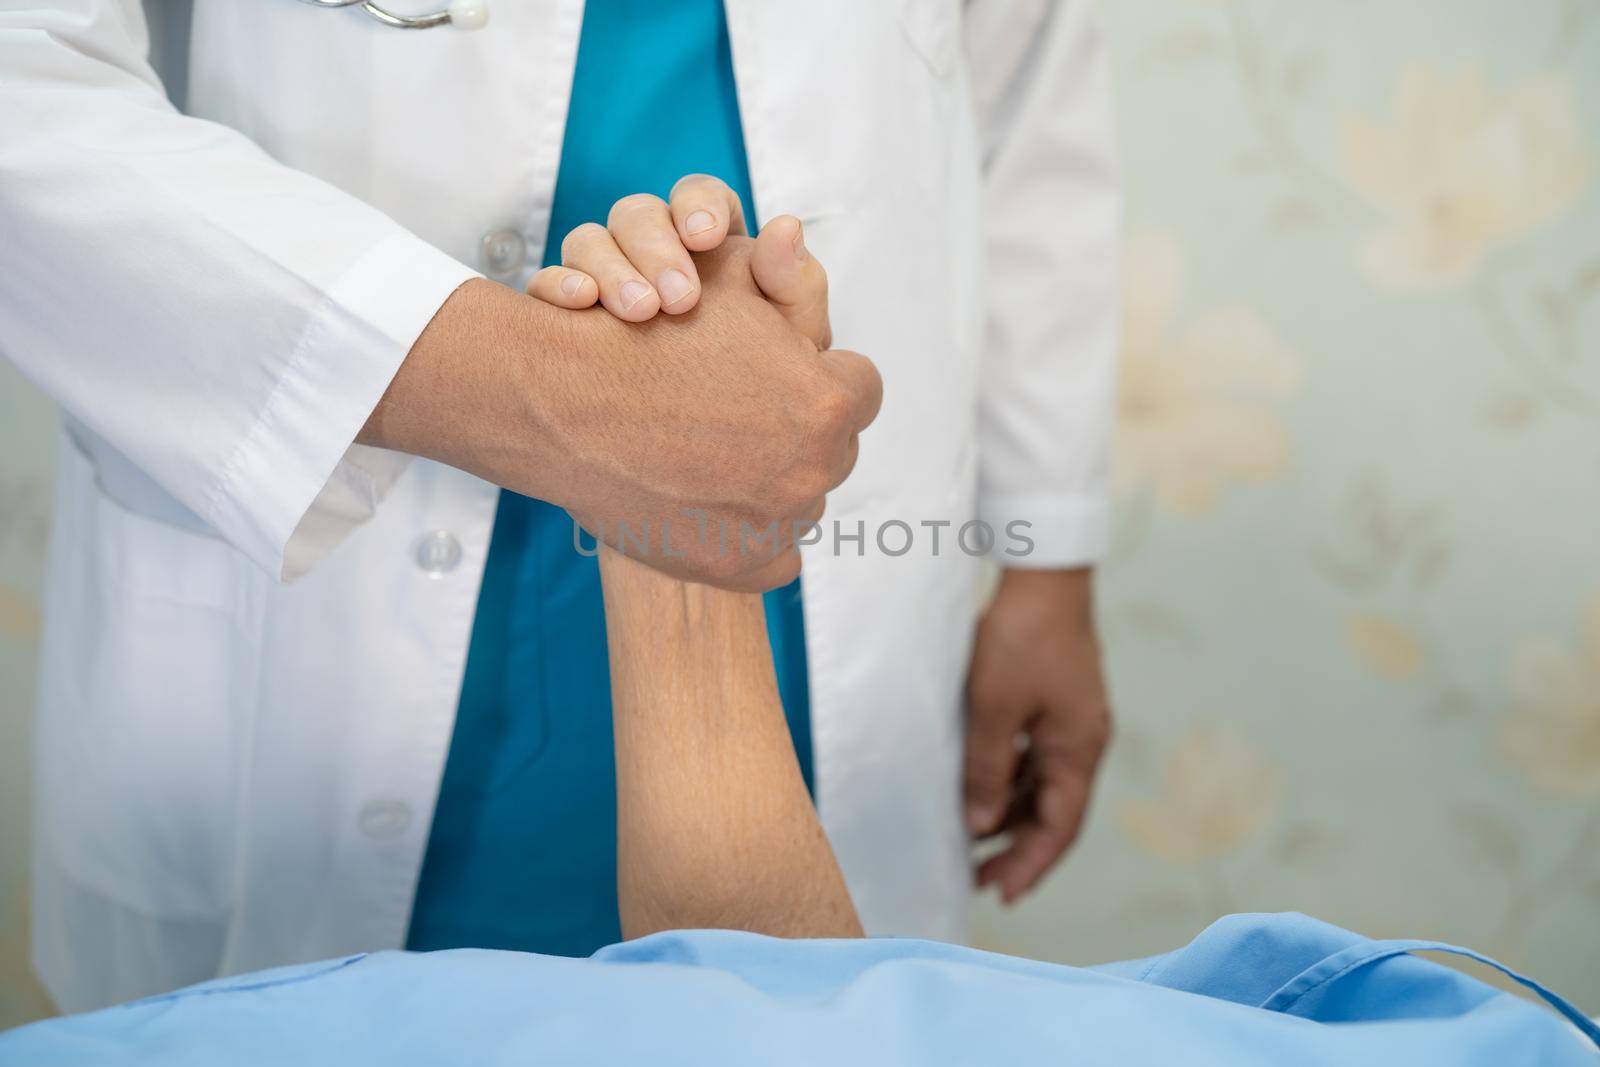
column 702, row 443
column 1038, row 723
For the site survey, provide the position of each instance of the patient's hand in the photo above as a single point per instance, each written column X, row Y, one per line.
column 715, row 828
column 639, row 263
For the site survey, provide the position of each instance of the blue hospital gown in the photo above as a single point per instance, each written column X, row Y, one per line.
column 1251, row 989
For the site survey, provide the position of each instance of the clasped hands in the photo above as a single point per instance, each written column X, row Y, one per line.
column 743, row 417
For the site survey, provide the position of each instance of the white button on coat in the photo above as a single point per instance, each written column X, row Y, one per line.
column 439, row 553
column 384, row 819
column 502, row 252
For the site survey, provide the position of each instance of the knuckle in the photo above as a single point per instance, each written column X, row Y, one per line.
column 580, row 238
column 694, row 181
column 808, row 474
column 806, row 488
column 634, row 205
column 831, row 410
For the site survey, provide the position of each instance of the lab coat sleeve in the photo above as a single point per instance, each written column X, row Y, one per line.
column 1041, row 87
column 223, row 321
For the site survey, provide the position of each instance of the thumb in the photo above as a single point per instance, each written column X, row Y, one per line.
column 792, row 279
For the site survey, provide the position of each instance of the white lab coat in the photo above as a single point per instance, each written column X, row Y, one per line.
column 255, row 630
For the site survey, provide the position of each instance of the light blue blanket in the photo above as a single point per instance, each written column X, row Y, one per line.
column 1268, row 989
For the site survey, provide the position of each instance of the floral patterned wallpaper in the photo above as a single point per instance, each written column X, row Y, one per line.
column 1353, row 606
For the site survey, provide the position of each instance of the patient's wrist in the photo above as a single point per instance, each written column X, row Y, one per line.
column 706, row 645
column 640, row 593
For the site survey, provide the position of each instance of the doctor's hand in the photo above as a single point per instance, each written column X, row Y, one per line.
column 702, row 443
column 1038, row 723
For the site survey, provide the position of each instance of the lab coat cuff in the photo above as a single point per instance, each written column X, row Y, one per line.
column 297, row 485
column 1047, row 532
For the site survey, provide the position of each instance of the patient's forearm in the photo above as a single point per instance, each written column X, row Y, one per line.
column 714, row 825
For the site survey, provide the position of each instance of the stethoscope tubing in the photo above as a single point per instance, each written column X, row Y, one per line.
column 387, row 17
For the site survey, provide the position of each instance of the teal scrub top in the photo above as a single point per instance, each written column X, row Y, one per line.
column 522, row 852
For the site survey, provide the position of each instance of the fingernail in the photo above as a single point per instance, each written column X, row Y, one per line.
column 799, row 243
column 979, row 818
column 674, row 286
column 699, row 222
column 571, row 284
column 632, row 293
